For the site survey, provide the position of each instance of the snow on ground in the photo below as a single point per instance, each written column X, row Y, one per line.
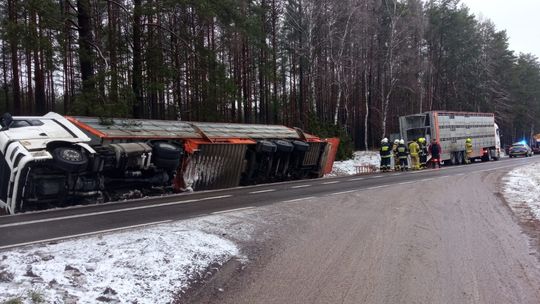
column 147, row 265
column 522, row 189
column 347, row 167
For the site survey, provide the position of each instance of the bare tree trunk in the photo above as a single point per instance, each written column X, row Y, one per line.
column 40, row 97
column 339, row 63
column 13, row 41
column 136, row 84
column 86, row 57
column 112, row 17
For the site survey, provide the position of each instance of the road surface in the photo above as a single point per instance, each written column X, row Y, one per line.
column 52, row 225
column 444, row 239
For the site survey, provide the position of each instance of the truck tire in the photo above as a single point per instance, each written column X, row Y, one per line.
column 284, row 146
column 300, row 146
column 70, row 159
column 168, row 164
column 493, row 152
column 265, row 146
column 165, row 150
column 460, row 158
column 453, row 158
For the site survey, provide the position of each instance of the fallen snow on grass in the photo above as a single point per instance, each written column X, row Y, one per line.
column 347, row 167
column 148, row 265
column 522, row 189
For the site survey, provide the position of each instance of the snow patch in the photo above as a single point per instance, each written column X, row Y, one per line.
column 347, row 167
column 147, row 265
column 522, row 189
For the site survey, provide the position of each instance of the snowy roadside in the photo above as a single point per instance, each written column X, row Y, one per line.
column 360, row 158
column 522, row 190
column 147, row 265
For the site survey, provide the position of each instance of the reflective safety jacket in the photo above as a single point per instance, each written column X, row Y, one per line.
column 402, row 151
column 423, row 149
column 386, row 150
column 469, row 147
column 414, row 148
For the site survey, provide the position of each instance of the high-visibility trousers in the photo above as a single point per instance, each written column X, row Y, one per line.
column 415, row 161
column 468, row 156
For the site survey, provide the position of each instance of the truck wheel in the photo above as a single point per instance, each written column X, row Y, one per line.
column 70, row 159
column 165, row 150
column 284, row 146
column 494, row 152
column 460, row 158
column 453, row 158
column 169, row 164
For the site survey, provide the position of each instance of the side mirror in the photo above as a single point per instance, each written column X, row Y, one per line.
column 6, row 121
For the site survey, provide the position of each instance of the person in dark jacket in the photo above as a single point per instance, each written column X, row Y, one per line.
column 435, row 151
column 403, row 154
column 386, row 155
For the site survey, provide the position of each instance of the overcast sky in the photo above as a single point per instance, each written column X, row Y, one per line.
column 520, row 19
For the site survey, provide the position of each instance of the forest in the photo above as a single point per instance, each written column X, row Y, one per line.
column 331, row 67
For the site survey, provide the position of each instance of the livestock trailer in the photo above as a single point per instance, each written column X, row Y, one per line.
column 54, row 160
column 451, row 129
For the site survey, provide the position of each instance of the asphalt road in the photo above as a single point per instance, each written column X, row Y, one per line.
column 52, row 225
column 434, row 237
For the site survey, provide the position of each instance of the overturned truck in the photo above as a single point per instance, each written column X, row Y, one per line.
column 54, row 161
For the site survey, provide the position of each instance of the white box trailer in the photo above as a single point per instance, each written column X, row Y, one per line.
column 452, row 129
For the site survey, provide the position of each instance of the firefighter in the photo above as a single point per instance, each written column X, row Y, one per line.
column 386, row 155
column 414, row 149
column 422, row 152
column 468, row 150
column 435, row 151
column 403, row 154
column 395, row 155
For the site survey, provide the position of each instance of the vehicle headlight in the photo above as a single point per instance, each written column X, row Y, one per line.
column 41, row 154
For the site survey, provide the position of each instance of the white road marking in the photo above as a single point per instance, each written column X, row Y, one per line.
column 342, row 192
column 405, row 183
column 112, row 211
column 262, row 191
column 330, row 183
column 84, row 234
column 299, row 199
column 300, row 186
column 377, row 187
column 378, row 176
column 231, row 210
column 356, row 179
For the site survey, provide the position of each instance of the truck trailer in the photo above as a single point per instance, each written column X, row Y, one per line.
column 55, row 161
column 451, row 130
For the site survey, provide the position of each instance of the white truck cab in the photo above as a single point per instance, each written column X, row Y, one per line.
column 25, row 141
column 48, row 161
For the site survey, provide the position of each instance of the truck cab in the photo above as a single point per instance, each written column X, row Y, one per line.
column 27, row 144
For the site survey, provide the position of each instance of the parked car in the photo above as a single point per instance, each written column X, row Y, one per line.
column 520, row 149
